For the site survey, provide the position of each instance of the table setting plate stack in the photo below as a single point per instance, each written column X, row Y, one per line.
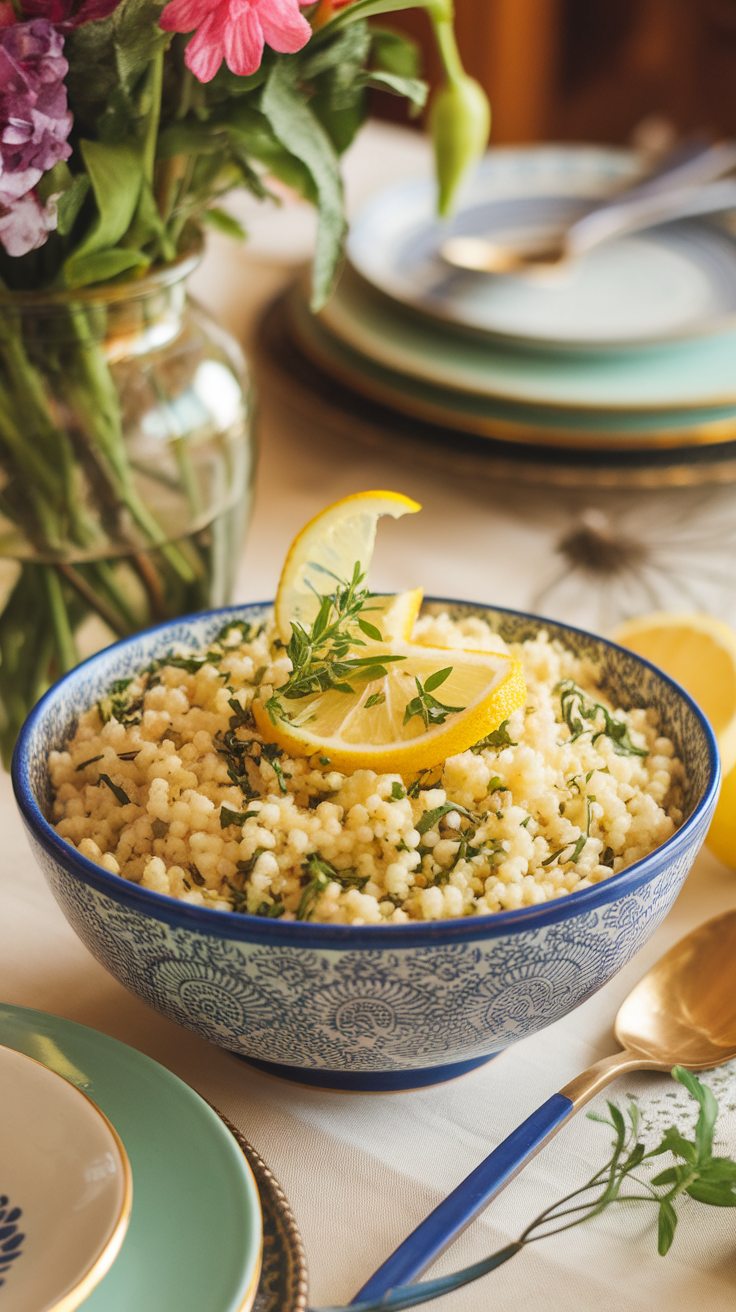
column 616, row 369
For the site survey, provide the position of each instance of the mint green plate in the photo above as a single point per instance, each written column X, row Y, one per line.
column 194, row 1240
column 687, row 375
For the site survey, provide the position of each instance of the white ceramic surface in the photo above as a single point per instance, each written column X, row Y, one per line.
column 674, row 281
column 65, row 1189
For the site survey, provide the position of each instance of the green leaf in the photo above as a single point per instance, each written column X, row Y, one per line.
column 437, row 678
column 719, row 1168
column 100, row 266
column 228, row 817
column 224, row 223
column 619, row 1124
column 70, row 203
column 430, row 818
column 680, row 1146
column 392, row 52
column 671, row 1176
column 398, row 792
column 666, row 1227
column 121, row 796
column 304, row 137
column 116, row 174
column 412, row 88
column 714, row 1194
column 708, row 1111
column 370, row 630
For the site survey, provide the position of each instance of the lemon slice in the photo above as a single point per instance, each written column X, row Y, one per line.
column 394, row 615
column 700, row 653
column 369, row 728
column 326, row 550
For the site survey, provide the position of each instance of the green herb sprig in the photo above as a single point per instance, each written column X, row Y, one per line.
column 697, row 1172
column 425, row 705
column 319, row 656
column 577, row 709
column 498, row 739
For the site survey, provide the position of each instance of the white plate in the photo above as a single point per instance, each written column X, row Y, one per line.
column 65, row 1189
column 674, row 281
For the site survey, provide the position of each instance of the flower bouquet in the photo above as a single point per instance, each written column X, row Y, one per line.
column 123, row 412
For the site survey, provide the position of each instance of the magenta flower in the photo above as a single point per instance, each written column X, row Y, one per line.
column 34, row 126
column 236, row 31
column 68, row 14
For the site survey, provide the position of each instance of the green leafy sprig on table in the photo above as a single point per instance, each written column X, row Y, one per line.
column 697, row 1171
column 578, row 712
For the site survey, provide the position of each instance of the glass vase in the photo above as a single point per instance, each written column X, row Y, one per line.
column 125, row 472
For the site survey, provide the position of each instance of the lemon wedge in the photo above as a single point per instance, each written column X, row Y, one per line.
column 327, row 550
column 700, row 652
column 388, row 723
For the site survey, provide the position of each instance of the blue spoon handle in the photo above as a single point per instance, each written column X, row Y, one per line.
column 450, row 1218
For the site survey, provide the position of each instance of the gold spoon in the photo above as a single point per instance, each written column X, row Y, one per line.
column 682, row 1013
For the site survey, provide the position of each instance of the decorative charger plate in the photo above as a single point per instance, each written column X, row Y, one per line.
column 677, row 280
column 194, row 1239
column 694, row 375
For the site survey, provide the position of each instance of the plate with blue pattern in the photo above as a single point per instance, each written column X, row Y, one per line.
column 674, row 281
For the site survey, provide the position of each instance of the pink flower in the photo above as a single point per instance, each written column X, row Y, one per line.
column 236, row 31
column 25, row 223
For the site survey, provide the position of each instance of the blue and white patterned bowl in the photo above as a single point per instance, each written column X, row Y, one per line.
column 365, row 1007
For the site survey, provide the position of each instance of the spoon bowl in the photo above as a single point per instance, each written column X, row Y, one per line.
column 683, row 1012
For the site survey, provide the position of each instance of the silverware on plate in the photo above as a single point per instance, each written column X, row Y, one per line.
column 684, row 186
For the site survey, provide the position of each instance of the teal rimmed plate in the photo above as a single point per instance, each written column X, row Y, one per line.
column 498, row 418
column 685, row 376
column 194, row 1239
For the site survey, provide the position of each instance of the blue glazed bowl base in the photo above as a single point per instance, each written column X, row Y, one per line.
column 369, row 1081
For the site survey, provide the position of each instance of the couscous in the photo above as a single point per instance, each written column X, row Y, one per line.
column 166, row 782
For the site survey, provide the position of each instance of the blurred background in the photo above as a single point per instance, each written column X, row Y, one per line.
column 591, row 70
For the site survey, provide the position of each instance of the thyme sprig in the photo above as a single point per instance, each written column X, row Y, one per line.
column 577, row 709
column 425, row 705
column 697, row 1172
column 319, row 656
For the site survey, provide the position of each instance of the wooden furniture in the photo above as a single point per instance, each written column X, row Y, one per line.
column 593, row 69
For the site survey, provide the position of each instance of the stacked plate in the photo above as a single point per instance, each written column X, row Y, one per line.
column 89, row 1127
column 623, row 362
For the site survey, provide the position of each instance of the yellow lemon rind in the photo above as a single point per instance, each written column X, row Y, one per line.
column 422, row 753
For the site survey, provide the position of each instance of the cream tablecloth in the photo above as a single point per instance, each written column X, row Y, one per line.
column 361, row 1171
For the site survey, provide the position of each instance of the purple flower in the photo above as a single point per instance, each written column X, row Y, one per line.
column 34, row 120
column 34, row 126
column 25, row 225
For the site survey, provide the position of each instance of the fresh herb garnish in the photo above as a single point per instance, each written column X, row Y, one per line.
column 498, row 739
column 577, row 847
column 697, row 1172
column 319, row 656
column 121, row 796
column 430, row 818
column 91, row 761
column 322, row 873
column 398, row 792
column 577, row 709
column 228, row 817
column 496, row 785
column 375, row 699
column 121, row 704
column 425, row 705
column 420, row 784
column 271, row 909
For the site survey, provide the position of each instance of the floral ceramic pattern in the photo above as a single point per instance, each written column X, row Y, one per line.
column 339, row 999
column 10, row 1238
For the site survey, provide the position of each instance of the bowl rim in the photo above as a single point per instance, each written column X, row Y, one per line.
column 241, row 926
